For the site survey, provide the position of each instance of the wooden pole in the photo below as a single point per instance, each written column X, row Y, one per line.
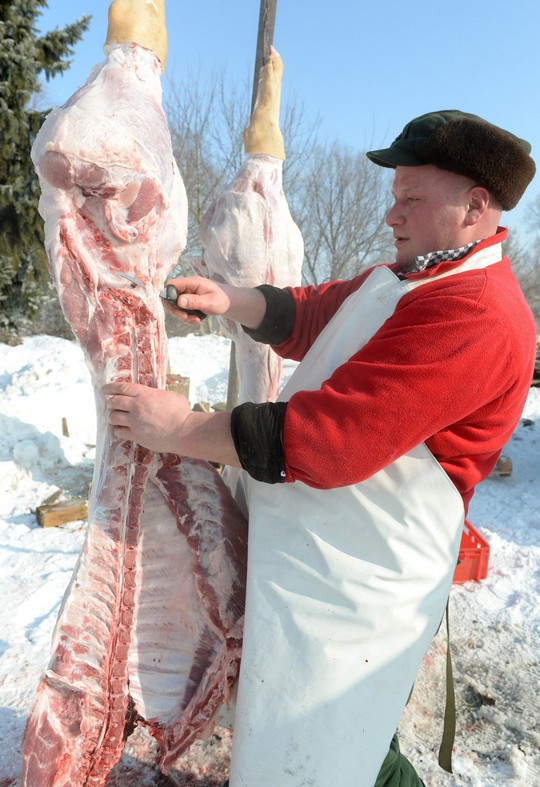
column 233, row 384
column 265, row 38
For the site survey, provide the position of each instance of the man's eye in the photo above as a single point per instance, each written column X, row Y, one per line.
column 412, row 199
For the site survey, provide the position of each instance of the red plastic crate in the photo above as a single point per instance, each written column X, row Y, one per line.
column 473, row 556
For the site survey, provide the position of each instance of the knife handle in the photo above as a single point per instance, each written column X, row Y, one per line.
column 171, row 294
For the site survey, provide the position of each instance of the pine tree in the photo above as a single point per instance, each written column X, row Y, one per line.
column 24, row 55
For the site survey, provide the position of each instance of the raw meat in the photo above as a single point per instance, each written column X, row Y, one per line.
column 249, row 238
column 150, row 626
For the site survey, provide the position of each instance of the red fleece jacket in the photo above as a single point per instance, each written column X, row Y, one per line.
column 451, row 367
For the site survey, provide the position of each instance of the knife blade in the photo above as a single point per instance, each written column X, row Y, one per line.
column 134, row 281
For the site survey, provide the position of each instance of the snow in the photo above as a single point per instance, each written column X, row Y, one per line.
column 495, row 623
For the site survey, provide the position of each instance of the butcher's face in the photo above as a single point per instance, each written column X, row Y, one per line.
column 429, row 210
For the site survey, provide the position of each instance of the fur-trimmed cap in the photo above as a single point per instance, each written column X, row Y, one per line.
column 468, row 145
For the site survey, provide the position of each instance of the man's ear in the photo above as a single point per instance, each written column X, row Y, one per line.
column 478, row 204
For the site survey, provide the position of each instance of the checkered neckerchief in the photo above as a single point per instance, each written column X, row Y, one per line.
column 424, row 261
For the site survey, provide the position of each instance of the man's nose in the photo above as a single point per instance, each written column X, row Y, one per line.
column 394, row 215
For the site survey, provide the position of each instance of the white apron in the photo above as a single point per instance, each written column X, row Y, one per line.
column 346, row 588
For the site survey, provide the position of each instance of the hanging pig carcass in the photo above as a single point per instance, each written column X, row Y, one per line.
column 248, row 235
column 150, row 626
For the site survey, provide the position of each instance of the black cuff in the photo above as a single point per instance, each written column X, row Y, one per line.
column 278, row 320
column 257, row 431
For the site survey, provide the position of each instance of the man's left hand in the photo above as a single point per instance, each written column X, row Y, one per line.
column 148, row 416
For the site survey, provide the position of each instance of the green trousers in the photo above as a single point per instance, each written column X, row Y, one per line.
column 396, row 770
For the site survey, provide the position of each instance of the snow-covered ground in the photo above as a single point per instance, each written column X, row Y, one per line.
column 495, row 623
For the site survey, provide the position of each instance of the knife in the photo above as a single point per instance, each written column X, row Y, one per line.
column 134, row 282
column 170, row 294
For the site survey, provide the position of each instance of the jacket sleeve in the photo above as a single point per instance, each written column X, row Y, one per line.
column 257, row 433
column 295, row 316
column 435, row 362
column 278, row 320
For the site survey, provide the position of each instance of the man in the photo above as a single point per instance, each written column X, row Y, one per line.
column 412, row 378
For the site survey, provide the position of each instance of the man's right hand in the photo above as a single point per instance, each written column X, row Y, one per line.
column 198, row 293
column 241, row 304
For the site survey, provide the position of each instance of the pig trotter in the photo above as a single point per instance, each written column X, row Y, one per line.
column 263, row 134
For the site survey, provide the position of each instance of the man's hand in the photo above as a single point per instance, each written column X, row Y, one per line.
column 148, row 416
column 241, row 304
column 164, row 422
column 198, row 293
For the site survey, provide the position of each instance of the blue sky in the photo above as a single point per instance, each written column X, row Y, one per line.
column 364, row 69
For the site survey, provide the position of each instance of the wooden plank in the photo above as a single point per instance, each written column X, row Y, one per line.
column 52, row 498
column 201, row 407
column 503, row 466
column 54, row 514
column 536, row 374
column 175, row 382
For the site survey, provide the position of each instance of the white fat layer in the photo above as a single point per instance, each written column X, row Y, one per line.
column 168, row 624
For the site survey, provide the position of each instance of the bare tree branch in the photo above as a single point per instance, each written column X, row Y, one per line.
column 340, row 207
column 524, row 259
column 338, row 198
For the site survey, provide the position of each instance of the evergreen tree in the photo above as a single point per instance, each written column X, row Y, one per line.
column 24, row 55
